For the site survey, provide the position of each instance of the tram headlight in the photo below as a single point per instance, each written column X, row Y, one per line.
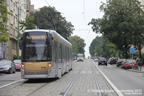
column 49, row 65
column 22, row 66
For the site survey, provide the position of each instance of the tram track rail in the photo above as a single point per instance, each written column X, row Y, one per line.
column 96, row 82
column 71, row 83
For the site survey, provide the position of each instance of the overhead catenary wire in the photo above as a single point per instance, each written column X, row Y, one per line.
column 85, row 19
column 47, row 3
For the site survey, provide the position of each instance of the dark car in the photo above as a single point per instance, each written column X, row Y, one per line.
column 7, row 66
column 119, row 62
column 102, row 61
column 113, row 60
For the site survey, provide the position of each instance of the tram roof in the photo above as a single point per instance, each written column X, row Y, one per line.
column 53, row 32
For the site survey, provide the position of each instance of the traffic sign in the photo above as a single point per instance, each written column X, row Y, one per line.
column 132, row 50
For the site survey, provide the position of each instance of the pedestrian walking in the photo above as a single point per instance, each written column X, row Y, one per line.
column 139, row 62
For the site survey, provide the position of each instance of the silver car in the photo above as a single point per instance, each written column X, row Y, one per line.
column 7, row 67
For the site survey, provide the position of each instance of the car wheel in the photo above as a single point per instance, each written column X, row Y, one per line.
column 98, row 64
column 121, row 66
column 106, row 64
column 10, row 71
column 14, row 70
column 117, row 65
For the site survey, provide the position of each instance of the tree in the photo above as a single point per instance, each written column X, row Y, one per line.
column 94, row 43
column 74, row 46
column 79, row 43
column 99, row 46
column 27, row 23
column 122, row 23
column 50, row 18
column 3, row 19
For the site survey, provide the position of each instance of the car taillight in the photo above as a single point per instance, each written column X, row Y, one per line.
column 118, row 62
column 105, row 61
column 99, row 60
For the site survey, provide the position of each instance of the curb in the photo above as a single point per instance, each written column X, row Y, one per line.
column 134, row 71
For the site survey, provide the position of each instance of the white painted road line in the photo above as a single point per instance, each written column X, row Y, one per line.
column 113, row 86
column 12, row 83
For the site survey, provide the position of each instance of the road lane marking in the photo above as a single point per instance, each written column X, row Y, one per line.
column 11, row 83
column 83, row 72
column 113, row 86
column 89, row 71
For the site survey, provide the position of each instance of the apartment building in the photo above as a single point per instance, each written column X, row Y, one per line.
column 9, row 49
column 142, row 2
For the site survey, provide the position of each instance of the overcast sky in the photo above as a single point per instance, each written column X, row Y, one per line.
column 79, row 13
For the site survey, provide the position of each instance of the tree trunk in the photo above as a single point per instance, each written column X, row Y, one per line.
column 126, row 52
column 139, row 46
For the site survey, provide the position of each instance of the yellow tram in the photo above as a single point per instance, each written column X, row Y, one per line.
column 45, row 54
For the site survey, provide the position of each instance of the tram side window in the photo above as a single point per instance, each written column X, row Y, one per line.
column 66, row 53
column 55, row 51
column 63, row 53
column 59, row 52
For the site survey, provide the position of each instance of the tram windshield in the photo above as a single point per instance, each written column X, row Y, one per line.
column 36, row 49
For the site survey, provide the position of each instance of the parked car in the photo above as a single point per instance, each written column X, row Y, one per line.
column 128, row 63
column 113, row 60
column 102, row 61
column 7, row 66
column 109, row 60
column 96, row 60
column 17, row 64
column 119, row 62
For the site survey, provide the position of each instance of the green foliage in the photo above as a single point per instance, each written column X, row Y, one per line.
column 27, row 23
column 122, row 23
column 96, row 41
column 50, row 18
column 74, row 46
column 99, row 46
column 3, row 31
column 79, row 44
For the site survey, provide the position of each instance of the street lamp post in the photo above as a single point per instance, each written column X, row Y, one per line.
column 18, row 36
column 19, row 8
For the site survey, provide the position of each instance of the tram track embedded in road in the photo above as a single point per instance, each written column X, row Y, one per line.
column 71, row 83
column 96, row 82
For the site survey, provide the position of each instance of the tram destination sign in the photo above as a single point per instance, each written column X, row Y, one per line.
column 36, row 37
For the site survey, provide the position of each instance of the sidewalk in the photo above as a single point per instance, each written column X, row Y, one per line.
column 136, row 70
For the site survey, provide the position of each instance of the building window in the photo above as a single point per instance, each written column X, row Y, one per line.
column 16, row 22
column 11, row 17
column 16, row 33
column 14, row 45
column 11, row 30
column 11, row 5
column 16, row 11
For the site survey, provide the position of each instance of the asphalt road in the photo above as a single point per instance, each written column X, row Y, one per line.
column 9, row 78
column 128, row 82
